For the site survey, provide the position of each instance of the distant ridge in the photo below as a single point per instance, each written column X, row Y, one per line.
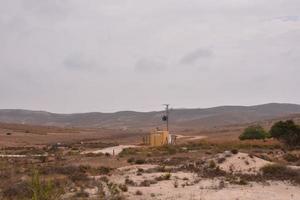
column 181, row 118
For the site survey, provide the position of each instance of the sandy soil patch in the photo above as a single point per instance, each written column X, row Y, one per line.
column 188, row 137
column 111, row 150
column 188, row 186
column 209, row 190
column 242, row 163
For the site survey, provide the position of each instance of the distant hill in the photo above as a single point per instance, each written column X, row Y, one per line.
column 179, row 118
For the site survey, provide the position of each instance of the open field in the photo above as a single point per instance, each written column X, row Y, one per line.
column 205, row 164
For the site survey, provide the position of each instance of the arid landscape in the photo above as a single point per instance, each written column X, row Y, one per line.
column 67, row 162
column 149, row 100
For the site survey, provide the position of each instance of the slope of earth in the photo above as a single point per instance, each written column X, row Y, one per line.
column 180, row 118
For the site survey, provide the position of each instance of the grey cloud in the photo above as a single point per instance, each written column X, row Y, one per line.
column 291, row 18
column 46, row 9
column 150, row 65
column 195, row 56
column 78, row 62
column 62, row 47
column 75, row 62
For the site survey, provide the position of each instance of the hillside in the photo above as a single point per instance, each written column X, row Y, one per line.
column 180, row 118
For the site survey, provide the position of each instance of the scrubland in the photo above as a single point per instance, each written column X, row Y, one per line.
column 214, row 167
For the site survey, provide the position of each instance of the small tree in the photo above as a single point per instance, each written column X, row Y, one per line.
column 254, row 132
column 287, row 132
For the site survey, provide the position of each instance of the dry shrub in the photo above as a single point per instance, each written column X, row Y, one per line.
column 129, row 182
column 291, row 157
column 104, row 170
column 145, row 183
column 281, row 172
column 140, row 161
column 123, row 187
column 234, row 151
column 14, row 191
column 78, row 176
column 82, row 194
column 166, row 176
column 130, row 160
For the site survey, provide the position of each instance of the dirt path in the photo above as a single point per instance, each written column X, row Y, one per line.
column 111, row 150
column 189, row 137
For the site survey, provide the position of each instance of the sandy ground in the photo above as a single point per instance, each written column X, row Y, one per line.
column 188, row 138
column 242, row 163
column 111, row 150
column 208, row 190
column 190, row 187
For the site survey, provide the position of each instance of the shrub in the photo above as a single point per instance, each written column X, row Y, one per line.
column 234, row 151
column 17, row 190
column 287, row 132
column 128, row 151
column 254, row 132
column 281, row 172
column 290, row 157
column 221, row 160
column 138, row 192
column 129, row 182
column 123, row 187
column 140, row 161
column 212, row 164
column 104, row 170
column 145, row 183
column 166, row 176
column 78, row 176
column 130, row 160
column 82, row 194
column 175, row 184
column 43, row 190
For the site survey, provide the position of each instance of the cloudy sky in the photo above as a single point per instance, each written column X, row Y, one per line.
column 106, row 55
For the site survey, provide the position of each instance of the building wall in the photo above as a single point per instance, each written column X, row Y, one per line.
column 157, row 138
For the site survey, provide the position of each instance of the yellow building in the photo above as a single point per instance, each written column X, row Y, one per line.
column 157, row 138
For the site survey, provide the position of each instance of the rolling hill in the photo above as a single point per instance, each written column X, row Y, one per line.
column 179, row 118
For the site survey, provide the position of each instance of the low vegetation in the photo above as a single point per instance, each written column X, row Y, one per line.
column 281, row 172
column 287, row 132
column 254, row 132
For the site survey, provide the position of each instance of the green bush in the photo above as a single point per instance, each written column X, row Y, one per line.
column 287, row 132
column 254, row 132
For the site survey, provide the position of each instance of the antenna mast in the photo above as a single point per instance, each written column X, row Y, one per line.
column 166, row 117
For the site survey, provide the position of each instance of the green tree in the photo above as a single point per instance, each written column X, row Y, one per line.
column 287, row 132
column 254, row 132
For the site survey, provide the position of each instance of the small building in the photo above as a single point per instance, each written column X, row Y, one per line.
column 159, row 138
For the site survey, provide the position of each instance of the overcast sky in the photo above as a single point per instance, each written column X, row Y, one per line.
column 107, row 55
